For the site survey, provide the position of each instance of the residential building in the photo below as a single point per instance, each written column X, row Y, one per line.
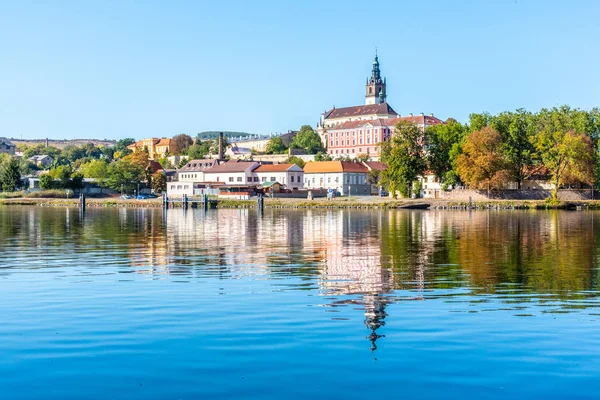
column 157, row 148
column 233, row 173
column 178, row 189
column 6, row 146
column 43, row 160
column 346, row 177
column 193, row 171
column 290, row 175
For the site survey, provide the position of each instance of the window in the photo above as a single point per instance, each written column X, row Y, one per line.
column 329, row 180
column 256, row 179
column 178, row 187
column 264, row 178
column 249, row 179
column 239, row 179
column 292, row 178
column 231, row 179
column 273, row 179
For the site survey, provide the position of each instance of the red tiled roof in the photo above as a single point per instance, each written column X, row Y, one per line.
column 369, row 109
column 154, row 166
column 240, row 166
column 334, row 166
column 164, row 142
column 376, row 165
column 388, row 122
column 274, row 168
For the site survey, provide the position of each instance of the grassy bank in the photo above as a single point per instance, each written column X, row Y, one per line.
column 340, row 203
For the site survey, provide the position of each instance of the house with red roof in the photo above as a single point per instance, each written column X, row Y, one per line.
column 345, row 177
column 289, row 175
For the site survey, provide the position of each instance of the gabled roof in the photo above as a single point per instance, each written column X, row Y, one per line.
column 375, row 165
column 7, row 142
column 198, row 165
column 334, row 166
column 368, row 109
column 240, row 166
column 274, row 167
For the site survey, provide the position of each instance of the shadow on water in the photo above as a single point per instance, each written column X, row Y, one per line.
column 526, row 262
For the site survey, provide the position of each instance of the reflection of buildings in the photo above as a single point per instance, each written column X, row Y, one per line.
column 351, row 248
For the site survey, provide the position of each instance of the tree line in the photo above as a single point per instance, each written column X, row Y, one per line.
column 490, row 151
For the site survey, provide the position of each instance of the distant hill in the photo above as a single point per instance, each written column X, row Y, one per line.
column 64, row 143
column 228, row 134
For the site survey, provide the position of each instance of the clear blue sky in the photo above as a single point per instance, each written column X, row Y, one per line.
column 114, row 69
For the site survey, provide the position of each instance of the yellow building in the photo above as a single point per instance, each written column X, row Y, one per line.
column 157, row 148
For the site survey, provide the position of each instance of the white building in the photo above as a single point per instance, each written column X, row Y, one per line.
column 348, row 178
column 193, row 171
column 290, row 175
column 233, row 173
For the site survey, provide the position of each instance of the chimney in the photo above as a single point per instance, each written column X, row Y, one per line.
column 431, row 115
column 422, row 115
column 410, row 114
column 220, row 146
column 46, row 142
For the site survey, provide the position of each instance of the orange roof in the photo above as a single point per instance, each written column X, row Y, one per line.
column 164, row 142
column 274, row 167
column 334, row 166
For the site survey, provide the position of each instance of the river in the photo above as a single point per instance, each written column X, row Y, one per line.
column 152, row 304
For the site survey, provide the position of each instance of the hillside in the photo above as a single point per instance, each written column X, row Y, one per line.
column 64, row 143
column 228, row 134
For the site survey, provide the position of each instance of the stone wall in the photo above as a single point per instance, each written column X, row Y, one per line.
column 527, row 194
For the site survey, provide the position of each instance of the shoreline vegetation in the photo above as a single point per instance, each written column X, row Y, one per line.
column 341, row 203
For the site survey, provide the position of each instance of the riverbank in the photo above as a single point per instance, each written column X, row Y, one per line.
column 354, row 202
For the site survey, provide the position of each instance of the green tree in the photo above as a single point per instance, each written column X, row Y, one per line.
column 199, row 150
column 444, row 143
column 403, row 154
column 10, row 175
column 516, row 130
column 76, row 181
column 275, row 146
column 159, row 182
column 321, row 156
column 61, row 174
column 295, row 160
column 482, row 164
column 46, row 181
column 125, row 174
column 308, row 140
column 121, row 146
column 95, row 169
column 563, row 145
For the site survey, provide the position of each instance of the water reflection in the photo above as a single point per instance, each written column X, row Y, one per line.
column 546, row 260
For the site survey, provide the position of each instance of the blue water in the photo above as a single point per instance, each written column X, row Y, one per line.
column 137, row 304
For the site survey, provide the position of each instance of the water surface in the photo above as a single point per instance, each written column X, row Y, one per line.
column 142, row 304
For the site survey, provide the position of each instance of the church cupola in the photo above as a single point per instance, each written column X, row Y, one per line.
column 375, row 88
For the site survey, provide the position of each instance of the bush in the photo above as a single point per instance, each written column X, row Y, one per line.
column 48, row 194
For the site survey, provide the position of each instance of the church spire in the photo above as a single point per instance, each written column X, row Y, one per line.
column 375, row 88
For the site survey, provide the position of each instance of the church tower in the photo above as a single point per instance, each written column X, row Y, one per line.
column 375, row 90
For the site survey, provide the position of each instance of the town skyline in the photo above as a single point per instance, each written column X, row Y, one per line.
column 99, row 71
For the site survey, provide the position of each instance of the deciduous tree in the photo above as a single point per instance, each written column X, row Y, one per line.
column 403, row 153
column 308, row 140
column 482, row 164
